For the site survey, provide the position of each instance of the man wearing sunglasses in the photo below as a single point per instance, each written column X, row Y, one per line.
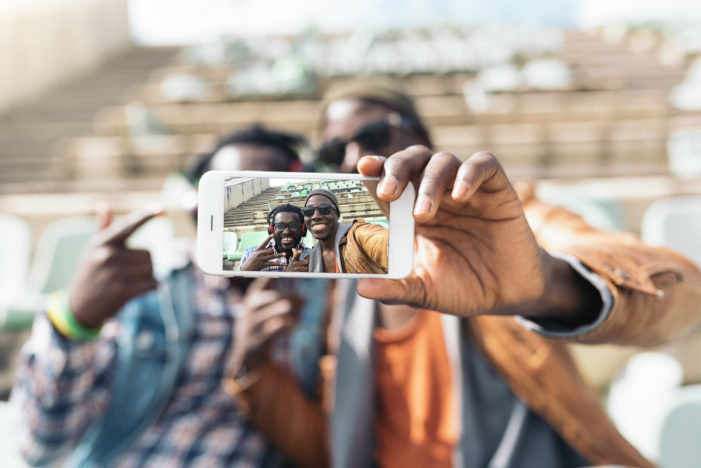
column 389, row 131
column 356, row 247
column 283, row 249
column 488, row 380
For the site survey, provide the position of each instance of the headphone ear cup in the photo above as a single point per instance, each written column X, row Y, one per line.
column 270, row 228
column 304, row 229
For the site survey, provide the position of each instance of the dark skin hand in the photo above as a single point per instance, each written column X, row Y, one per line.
column 109, row 274
column 268, row 313
column 296, row 264
column 261, row 257
column 474, row 251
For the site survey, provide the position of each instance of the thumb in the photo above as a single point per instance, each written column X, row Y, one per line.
column 382, row 289
column 104, row 214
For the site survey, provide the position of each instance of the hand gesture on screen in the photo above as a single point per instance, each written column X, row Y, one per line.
column 261, row 257
column 296, row 264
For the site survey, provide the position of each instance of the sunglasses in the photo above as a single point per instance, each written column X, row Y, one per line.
column 323, row 210
column 294, row 227
column 372, row 137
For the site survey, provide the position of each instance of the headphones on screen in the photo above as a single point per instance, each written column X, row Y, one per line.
column 290, row 208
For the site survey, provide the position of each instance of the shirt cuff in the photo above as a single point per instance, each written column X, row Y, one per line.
column 552, row 329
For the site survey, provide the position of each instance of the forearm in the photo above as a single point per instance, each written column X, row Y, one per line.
column 62, row 387
column 273, row 402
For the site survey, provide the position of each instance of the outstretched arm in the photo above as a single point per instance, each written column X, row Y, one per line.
column 475, row 253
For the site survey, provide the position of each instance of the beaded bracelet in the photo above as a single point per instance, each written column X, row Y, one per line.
column 61, row 315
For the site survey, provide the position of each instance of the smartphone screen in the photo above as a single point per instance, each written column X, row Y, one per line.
column 301, row 224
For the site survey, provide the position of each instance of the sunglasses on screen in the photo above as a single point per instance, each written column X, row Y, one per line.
column 323, row 210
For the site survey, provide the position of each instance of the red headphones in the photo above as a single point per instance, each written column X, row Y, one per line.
column 290, row 208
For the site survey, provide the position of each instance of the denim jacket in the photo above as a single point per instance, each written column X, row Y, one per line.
column 155, row 333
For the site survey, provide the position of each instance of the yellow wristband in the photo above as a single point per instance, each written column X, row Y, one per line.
column 60, row 313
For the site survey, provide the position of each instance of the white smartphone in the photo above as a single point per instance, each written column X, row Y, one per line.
column 253, row 223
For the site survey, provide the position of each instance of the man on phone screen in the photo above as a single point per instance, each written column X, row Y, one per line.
column 283, row 249
column 356, row 247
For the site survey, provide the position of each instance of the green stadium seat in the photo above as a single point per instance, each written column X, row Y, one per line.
column 231, row 241
column 382, row 221
column 249, row 239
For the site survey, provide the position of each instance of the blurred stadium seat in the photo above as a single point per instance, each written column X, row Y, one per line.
column 675, row 223
column 680, row 430
column 684, row 152
column 15, row 251
column 56, row 257
column 58, row 249
column 601, row 213
column 638, row 395
column 231, row 241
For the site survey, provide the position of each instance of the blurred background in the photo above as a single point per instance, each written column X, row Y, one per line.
column 107, row 100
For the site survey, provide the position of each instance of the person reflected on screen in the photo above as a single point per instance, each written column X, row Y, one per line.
column 283, row 249
column 356, row 247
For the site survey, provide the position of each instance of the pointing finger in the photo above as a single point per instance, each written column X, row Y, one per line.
column 104, row 214
column 117, row 233
column 265, row 242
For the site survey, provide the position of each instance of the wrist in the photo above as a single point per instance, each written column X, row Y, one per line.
column 64, row 320
column 568, row 298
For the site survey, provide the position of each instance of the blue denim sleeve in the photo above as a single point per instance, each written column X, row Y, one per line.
column 61, row 386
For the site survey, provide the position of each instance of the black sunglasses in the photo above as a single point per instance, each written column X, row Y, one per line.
column 323, row 209
column 372, row 137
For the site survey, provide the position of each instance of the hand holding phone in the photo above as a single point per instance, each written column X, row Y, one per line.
column 475, row 251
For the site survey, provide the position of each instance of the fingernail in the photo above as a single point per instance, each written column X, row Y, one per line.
column 460, row 189
column 423, row 205
column 388, row 186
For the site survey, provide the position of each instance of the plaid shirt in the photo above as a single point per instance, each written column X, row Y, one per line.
column 282, row 262
column 65, row 385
